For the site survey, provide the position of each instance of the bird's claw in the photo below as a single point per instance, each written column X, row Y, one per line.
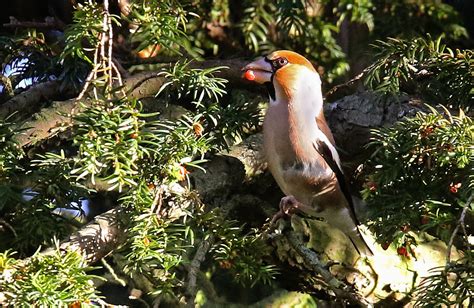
column 288, row 207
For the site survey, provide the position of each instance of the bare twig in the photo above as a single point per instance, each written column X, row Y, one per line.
column 103, row 61
column 89, row 78
column 346, row 84
column 157, row 201
column 193, row 269
column 458, row 225
column 6, row 224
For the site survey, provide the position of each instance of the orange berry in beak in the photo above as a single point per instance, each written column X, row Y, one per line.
column 249, row 75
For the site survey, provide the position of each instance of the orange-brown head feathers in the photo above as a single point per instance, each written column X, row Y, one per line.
column 281, row 71
column 292, row 58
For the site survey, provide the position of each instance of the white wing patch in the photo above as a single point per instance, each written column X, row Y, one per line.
column 322, row 137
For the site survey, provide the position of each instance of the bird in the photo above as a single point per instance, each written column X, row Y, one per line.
column 299, row 147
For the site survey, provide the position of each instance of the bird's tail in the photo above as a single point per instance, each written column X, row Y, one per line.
column 359, row 243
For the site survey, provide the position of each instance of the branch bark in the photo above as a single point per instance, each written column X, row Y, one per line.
column 193, row 270
column 340, row 289
column 49, row 23
column 97, row 238
column 50, row 120
column 28, row 101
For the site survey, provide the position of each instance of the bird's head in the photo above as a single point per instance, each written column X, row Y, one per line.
column 282, row 67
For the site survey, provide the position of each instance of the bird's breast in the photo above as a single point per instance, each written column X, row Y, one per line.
column 286, row 149
column 290, row 134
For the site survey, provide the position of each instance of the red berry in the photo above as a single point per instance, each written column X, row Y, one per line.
column 454, row 187
column 425, row 219
column 372, row 186
column 225, row 264
column 402, row 251
column 405, row 228
column 385, row 245
column 249, row 75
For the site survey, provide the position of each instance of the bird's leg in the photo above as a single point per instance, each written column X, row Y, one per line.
column 288, row 206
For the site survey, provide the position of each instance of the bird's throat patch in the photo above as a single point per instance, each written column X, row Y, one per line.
column 271, row 89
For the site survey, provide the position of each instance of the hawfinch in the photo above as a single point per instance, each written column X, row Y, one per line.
column 299, row 146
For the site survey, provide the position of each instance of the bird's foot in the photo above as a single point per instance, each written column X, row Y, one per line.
column 288, row 206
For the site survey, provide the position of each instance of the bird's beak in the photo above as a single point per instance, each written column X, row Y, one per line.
column 259, row 71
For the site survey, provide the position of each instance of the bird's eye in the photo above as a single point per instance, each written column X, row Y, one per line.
column 279, row 62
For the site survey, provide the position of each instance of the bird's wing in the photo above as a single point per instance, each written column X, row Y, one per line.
column 323, row 149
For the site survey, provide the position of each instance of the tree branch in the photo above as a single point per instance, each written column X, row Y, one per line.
column 96, row 239
column 27, row 102
column 340, row 289
column 48, row 121
column 460, row 223
column 193, row 269
column 49, row 23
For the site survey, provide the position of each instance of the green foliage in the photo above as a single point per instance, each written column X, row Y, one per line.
column 225, row 122
column 196, row 84
column 160, row 24
column 46, row 280
column 156, row 243
column 55, row 181
column 114, row 144
column 31, row 212
column 117, row 142
column 291, row 16
column 360, row 11
column 240, row 252
column 450, row 286
column 420, row 175
column 83, row 35
column 257, row 18
column 412, row 18
column 423, row 66
column 242, row 255
column 306, row 30
column 112, row 139
column 10, row 151
column 28, row 212
column 233, row 121
column 81, row 40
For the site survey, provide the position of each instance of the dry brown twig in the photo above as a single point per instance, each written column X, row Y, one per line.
column 193, row 269
column 459, row 224
column 103, row 59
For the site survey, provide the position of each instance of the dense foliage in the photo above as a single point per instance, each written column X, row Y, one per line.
column 115, row 146
column 421, row 176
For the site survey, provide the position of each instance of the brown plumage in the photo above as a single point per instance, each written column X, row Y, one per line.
column 299, row 146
